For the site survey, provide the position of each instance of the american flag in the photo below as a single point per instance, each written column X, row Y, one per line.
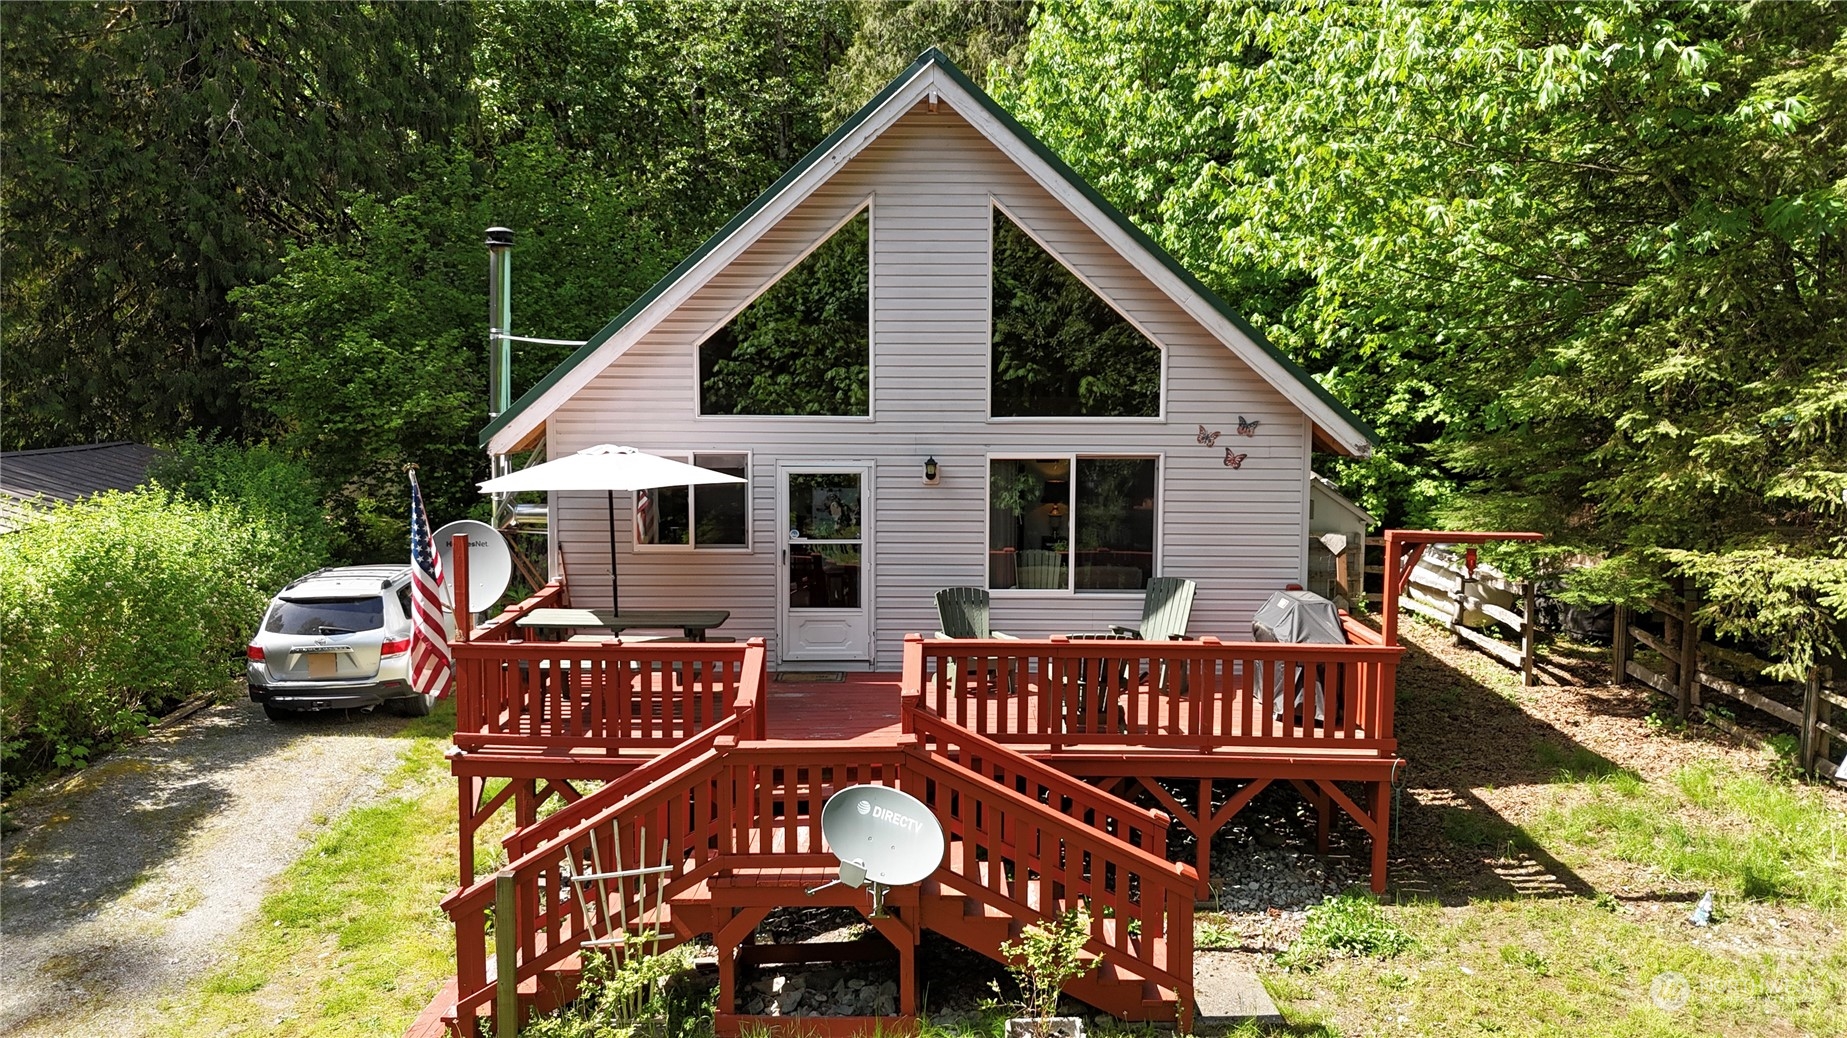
column 431, row 666
column 645, row 530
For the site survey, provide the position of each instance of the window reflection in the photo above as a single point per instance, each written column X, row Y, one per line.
column 824, row 576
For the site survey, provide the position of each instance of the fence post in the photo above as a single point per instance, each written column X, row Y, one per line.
column 1825, row 715
column 1621, row 647
column 1689, row 651
column 1529, row 633
column 1673, row 633
column 1456, row 621
column 506, row 957
column 1808, row 750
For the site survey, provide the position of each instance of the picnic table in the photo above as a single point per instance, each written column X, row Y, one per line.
column 693, row 623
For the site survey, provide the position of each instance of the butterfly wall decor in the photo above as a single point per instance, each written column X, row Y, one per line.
column 1234, row 460
column 1247, row 426
column 1207, row 439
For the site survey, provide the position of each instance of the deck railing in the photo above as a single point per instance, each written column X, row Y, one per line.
column 758, row 805
column 601, row 696
column 1200, row 696
column 672, row 821
column 1040, row 782
column 1033, row 863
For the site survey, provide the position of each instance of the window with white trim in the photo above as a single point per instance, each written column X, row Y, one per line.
column 713, row 516
column 804, row 346
column 1060, row 350
column 1076, row 523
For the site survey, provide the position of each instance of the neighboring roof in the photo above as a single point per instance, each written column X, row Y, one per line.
column 1320, row 482
column 931, row 74
column 70, row 474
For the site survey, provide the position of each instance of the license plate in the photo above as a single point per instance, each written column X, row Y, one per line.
column 323, row 665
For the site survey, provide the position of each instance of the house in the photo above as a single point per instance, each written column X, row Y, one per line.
column 939, row 358
column 936, row 358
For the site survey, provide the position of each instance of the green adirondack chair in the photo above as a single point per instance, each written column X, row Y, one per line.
column 962, row 612
column 1165, row 610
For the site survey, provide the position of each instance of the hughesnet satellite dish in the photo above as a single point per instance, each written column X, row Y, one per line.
column 882, row 837
column 490, row 563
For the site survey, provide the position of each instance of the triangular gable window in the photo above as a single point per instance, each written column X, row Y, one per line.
column 1059, row 349
column 803, row 347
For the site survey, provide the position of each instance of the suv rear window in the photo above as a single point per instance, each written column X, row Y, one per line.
column 327, row 616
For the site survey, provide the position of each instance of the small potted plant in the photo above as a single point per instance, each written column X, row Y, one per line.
column 1045, row 957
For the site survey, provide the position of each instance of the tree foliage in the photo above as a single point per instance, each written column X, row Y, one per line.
column 158, row 155
column 889, row 34
column 1581, row 265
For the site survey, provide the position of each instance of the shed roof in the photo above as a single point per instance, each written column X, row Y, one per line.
column 933, row 75
column 70, row 474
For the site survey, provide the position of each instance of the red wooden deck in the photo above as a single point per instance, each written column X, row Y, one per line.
column 691, row 754
column 859, row 707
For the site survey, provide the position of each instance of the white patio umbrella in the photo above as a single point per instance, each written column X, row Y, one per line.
column 608, row 468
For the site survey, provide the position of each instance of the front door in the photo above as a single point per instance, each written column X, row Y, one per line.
column 826, row 576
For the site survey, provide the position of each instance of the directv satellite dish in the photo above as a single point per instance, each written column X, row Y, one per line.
column 490, row 563
column 882, row 837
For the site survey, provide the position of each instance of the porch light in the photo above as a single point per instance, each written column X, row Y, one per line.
column 930, row 472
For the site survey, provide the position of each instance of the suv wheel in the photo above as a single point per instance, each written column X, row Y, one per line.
column 413, row 705
column 280, row 714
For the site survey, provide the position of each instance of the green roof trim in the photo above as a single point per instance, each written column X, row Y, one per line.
column 930, row 57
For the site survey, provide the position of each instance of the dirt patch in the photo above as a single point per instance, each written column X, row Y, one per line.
column 130, row 878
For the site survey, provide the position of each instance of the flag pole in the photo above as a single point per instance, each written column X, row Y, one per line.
column 615, row 594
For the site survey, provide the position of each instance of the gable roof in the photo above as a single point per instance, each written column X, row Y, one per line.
column 933, row 75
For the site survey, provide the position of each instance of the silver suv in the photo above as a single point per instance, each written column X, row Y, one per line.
column 336, row 639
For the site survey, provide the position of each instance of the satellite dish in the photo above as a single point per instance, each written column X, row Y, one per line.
column 490, row 563
column 887, row 837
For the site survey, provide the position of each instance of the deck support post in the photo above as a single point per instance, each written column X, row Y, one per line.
column 727, row 938
column 903, row 936
column 1382, row 822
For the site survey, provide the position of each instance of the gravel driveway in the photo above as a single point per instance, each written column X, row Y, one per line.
column 132, row 878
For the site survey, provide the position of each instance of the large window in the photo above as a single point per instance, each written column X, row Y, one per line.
column 1059, row 349
column 714, row 516
column 1072, row 523
column 803, row 347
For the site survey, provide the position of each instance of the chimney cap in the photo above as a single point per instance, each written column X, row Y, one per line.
column 502, row 236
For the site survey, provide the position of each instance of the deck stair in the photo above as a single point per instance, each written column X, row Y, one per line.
column 740, row 823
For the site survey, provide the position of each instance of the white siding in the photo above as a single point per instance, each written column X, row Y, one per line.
column 932, row 178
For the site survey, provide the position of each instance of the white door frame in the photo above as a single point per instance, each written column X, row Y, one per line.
column 788, row 647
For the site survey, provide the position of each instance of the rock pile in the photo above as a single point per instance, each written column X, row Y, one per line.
column 829, row 991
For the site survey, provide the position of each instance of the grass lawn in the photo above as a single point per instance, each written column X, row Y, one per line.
column 1555, row 842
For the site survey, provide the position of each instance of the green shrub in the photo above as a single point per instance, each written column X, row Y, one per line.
column 120, row 606
column 259, row 480
column 1350, row 924
column 1045, row 956
column 615, row 998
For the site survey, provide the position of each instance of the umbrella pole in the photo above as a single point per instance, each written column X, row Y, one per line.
column 615, row 596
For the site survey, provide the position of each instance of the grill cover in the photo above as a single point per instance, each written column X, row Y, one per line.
column 1298, row 616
